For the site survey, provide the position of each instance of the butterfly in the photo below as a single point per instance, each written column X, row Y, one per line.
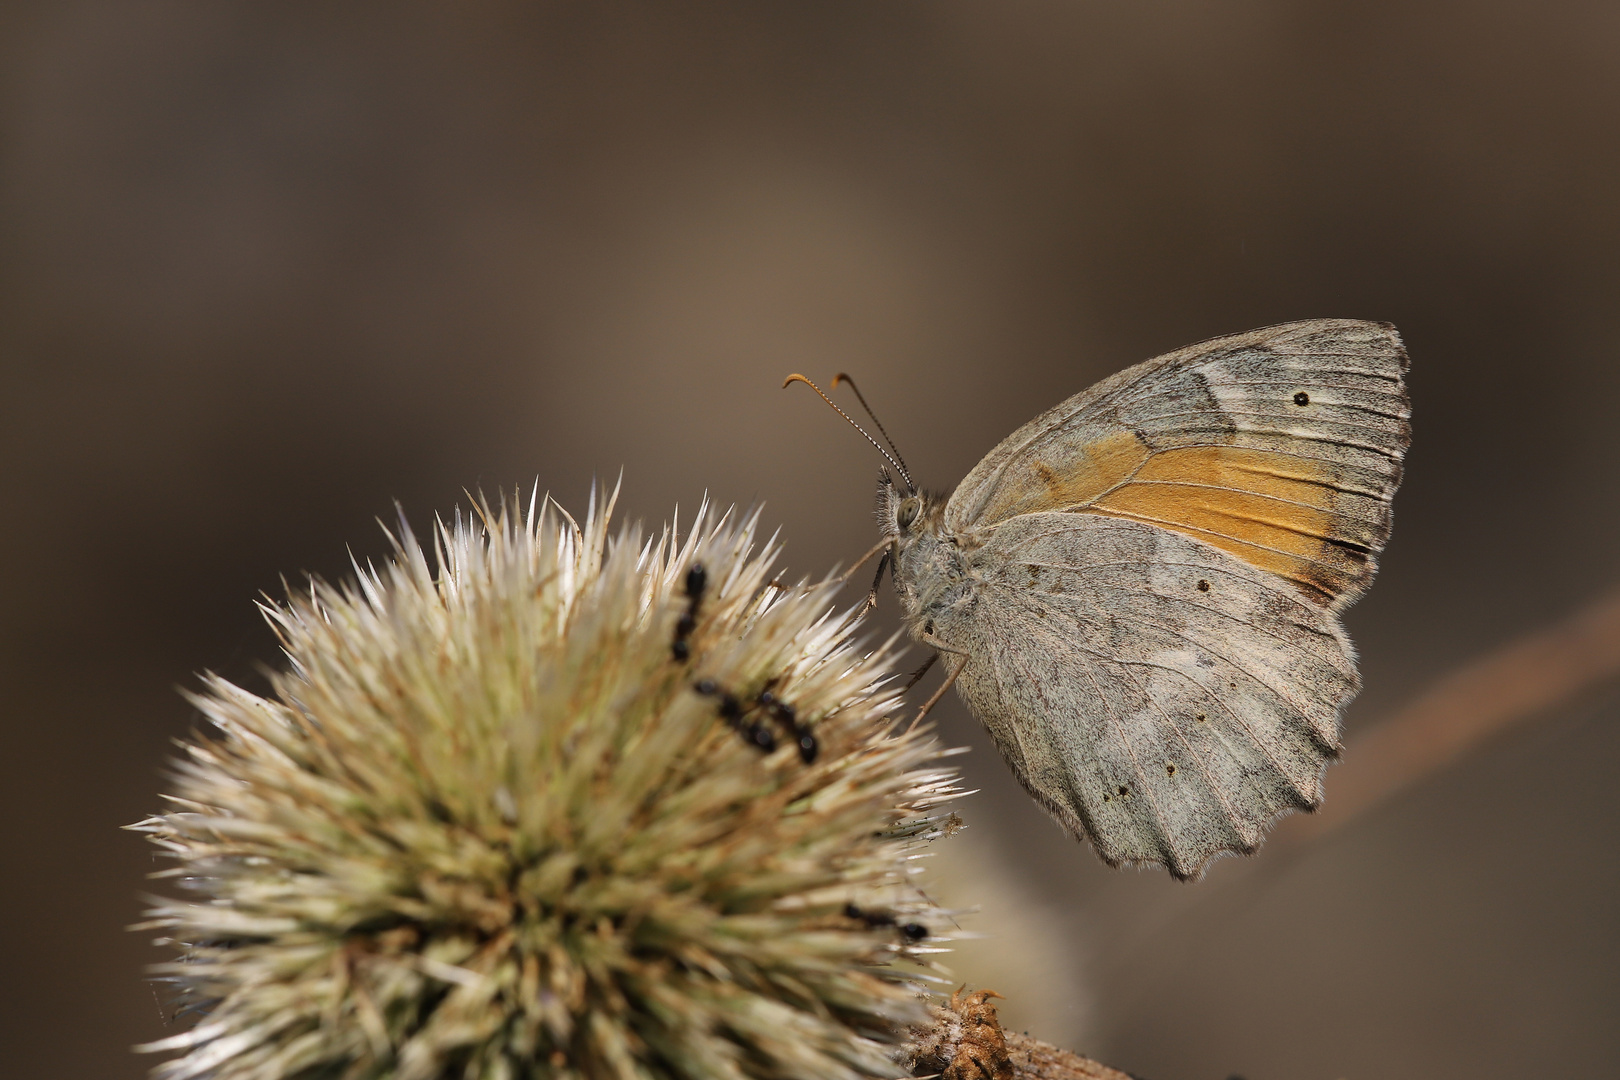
column 1138, row 592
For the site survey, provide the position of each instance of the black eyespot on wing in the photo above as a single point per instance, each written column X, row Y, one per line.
column 1302, row 398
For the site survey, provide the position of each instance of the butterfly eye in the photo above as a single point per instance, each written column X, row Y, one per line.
column 907, row 514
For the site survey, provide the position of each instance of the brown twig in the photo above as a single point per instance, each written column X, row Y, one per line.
column 1527, row 678
column 967, row 1042
column 1036, row 1060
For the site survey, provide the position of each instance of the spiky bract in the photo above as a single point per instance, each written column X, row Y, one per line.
column 486, row 827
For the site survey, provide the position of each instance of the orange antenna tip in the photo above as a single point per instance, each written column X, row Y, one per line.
column 893, row 459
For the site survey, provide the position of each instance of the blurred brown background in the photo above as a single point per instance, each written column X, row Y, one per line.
column 269, row 268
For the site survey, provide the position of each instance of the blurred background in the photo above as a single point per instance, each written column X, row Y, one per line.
column 268, row 269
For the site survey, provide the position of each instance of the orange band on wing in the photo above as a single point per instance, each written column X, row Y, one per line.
column 1273, row 511
column 1299, row 517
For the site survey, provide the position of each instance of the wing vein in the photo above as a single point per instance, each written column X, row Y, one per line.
column 1141, row 777
column 1271, row 449
column 1221, row 656
column 1234, row 665
column 1203, row 766
column 1245, row 491
column 1309, row 377
column 1176, row 526
column 1259, row 630
column 1305, row 798
column 1290, row 595
column 1139, row 422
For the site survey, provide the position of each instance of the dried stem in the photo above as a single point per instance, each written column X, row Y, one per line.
column 1036, row 1060
column 966, row 1042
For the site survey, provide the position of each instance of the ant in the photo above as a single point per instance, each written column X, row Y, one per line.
column 732, row 709
column 913, row 931
column 697, row 580
column 754, row 732
column 788, row 720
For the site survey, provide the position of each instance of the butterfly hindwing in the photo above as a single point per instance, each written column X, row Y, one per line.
column 1157, row 694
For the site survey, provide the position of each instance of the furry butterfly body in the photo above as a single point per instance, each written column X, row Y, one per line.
column 1138, row 592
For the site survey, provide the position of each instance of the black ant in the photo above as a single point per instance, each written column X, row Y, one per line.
column 913, row 931
column 697, row 580
column 732, row 709
column 755, row 733
column 788, row 719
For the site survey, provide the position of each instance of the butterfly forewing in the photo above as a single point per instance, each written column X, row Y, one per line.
column 1281, row 446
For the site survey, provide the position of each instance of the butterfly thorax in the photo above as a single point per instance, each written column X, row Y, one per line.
column 931, row 575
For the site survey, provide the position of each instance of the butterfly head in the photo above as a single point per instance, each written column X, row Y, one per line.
column 903, row 513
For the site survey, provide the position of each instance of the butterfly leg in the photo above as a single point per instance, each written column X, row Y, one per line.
column 881, row 546
column 871, row 597
column 958, row 661
column 917, row 675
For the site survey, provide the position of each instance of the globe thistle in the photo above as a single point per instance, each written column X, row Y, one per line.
column 554, row 805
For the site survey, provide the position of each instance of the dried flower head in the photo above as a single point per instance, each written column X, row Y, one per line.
column 558, row 806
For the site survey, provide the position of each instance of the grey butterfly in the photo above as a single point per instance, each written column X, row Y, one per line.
column 1138, row 592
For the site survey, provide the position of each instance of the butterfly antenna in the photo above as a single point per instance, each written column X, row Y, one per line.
column 893, row 459
column 900, row 461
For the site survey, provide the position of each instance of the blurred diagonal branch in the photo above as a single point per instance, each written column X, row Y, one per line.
column 1526, row 679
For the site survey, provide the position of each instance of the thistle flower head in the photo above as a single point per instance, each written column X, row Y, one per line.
column 553, row 805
